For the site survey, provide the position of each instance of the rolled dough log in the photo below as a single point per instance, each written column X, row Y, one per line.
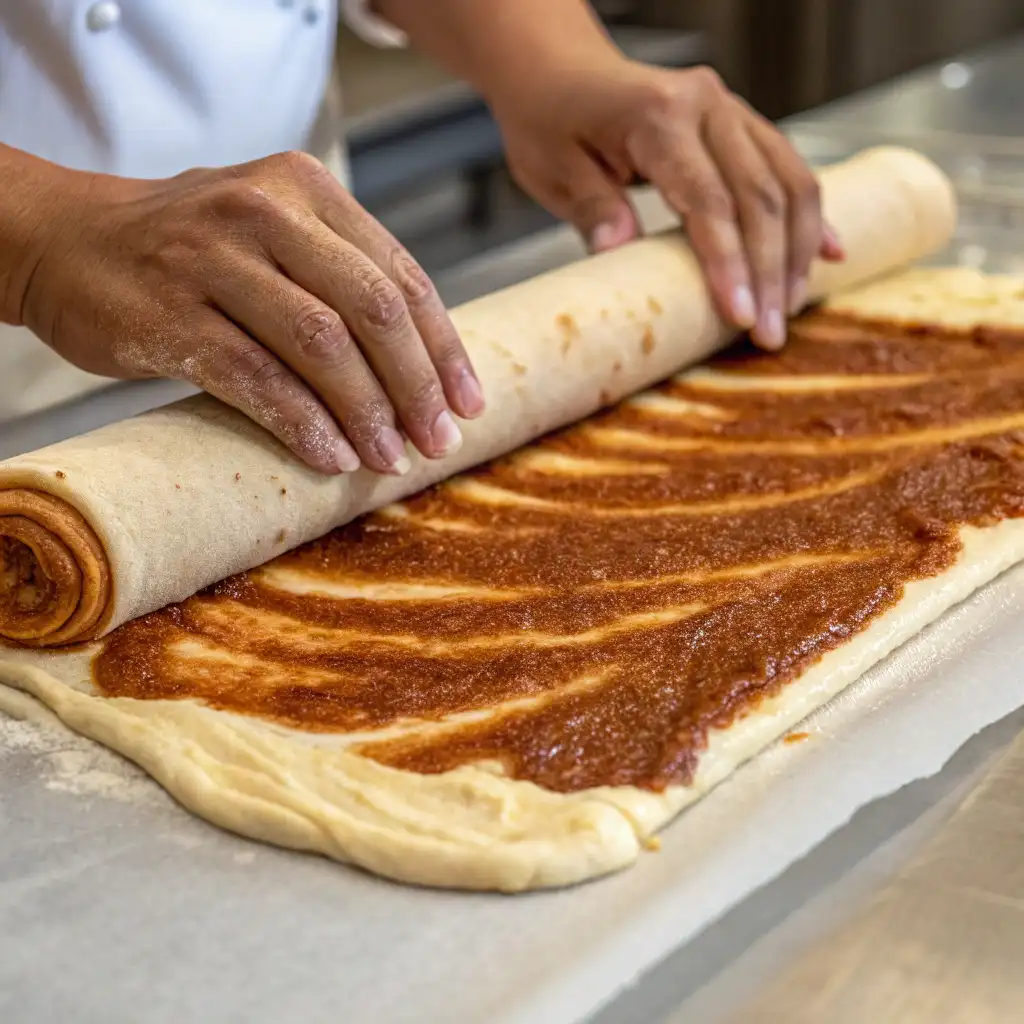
column 100, row 529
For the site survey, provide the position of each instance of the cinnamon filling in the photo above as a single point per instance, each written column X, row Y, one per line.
column 584, row 612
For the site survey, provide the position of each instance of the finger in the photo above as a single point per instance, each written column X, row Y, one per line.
column 233, row 367
column 339, row 210
column 374, row 310
column 587, row 198
column 313, row 341
column 761, row 205
column 806, row 234
column 679, row 166
column 615, row 229
column 831, row 248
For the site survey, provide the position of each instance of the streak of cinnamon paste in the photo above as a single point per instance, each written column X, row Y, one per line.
column 700, row 563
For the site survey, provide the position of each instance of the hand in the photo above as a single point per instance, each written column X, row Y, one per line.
column 268, row 286
column 576, row 138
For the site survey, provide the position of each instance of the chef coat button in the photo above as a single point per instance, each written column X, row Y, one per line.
column 311, row 15
column 103, row 15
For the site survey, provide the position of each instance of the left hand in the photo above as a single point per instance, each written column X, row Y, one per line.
column 576, row 138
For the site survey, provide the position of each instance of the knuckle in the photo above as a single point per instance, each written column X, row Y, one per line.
column 664, row 101
column 254, row 364
column 231, row 360
column 381, row 305
column 713, row 201
column 298, row 164
column 242, row 198
column 807, row 189
column 425, row 395
column 708, row 80
column 412, row 279
column 320, row 333
column 269, row 373
column 449, row 351
column 170, row 257
column 767, row 195
column 193, row 176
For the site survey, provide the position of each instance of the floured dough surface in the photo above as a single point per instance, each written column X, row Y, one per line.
column 513, row 680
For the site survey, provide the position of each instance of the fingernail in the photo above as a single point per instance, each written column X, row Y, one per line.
column 392, row 451
column 798, row 296
column 604, row 237
column 743, row 309
column 773, row 335
column 832, row 242
column 345, row 457
column 471, row 395
column 445, row 434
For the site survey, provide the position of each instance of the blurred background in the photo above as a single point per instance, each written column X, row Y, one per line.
column 427, row 157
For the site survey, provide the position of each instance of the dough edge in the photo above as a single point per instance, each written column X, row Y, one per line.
column 470, row 828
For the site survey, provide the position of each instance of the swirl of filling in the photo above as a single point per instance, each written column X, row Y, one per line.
column 55, row 579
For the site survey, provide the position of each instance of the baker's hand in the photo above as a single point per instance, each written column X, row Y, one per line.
column 270, row 287
column 576, row 138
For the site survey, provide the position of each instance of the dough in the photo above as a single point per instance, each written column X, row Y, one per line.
column 473, row 826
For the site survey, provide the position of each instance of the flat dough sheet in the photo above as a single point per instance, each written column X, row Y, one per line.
column 473, row 826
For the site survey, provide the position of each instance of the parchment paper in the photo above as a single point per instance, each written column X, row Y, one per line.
column 162, row 916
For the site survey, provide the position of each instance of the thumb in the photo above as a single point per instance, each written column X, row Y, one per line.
column 600, row 210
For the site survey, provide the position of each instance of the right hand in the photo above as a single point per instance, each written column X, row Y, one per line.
column 268, row 286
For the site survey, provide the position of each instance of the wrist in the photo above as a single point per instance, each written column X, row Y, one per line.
column 542, row 75
column 506, row 49
column 36, row 199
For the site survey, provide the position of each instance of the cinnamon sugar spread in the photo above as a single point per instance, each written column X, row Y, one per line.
column 25, row 583
column 584, row 611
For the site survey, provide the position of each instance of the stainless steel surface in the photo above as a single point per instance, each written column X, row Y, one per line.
column 132, row 911
column 978, row 94
column 940, row 941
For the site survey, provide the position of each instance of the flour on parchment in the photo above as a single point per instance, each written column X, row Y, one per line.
column 65, row 762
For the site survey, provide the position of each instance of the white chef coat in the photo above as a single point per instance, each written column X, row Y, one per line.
column 148, row 88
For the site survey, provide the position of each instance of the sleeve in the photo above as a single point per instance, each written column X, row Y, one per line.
column 370, row 26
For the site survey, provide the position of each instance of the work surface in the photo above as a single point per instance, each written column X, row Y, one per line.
column 116, row 906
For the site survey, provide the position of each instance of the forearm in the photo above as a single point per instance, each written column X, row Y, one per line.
column 33, row 200
column 503, row 46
